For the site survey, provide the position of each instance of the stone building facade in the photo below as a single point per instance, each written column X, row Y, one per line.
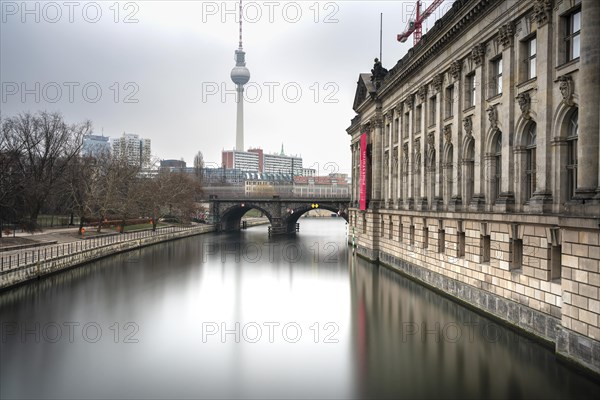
column 481, row 165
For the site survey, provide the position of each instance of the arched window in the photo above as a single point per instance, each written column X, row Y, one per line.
column 572, row 134
column 530, row 164
column 497, row 165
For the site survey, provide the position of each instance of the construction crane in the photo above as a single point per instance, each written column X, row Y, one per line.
column 415, row 25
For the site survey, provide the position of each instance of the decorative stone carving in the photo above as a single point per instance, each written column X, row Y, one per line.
column 417, row 146
column 417, row 156
column 399, row 107
column 395, row 159
column 410, row 101
column 405, row 151
column 378, row 73
column 389, row 116
column 437, row 82
column 386, row 159
column 468, row 125
column 492, row 116
column 448, row 134
column 455, row 68
column 524, row 101
column 478, row 53
column 422, row 92
column 506, row 34
column 542, row 11
column 566, row 89
column 376, row 122
column 366, row 128
column 431, row 141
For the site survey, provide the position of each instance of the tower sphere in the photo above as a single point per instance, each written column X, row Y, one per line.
column 240, row 75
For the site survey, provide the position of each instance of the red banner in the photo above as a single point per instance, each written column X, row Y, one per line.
column 363, row 172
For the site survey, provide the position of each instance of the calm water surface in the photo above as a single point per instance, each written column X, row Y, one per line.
column 239, row 316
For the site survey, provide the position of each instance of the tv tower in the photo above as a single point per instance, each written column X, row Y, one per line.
column 240, row 76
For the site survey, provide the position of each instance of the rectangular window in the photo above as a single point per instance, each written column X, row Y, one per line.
column 496, row 77
column 382, row 232
column 470, row 91
column 572, row 37
column 388, row 131
column 418, row 119
column 406, row 125
column 571, row 166
column 485, row 248
column 432, row 110
column 516, row 254
column 425, row 237
column 396, row 129
column 530, row 58
column 400, row 232
column 412, row 235
column 441, row 241
column 391, row 230
column 461, row 244
column 364, row 224
column 449, row 102
column 555, row 261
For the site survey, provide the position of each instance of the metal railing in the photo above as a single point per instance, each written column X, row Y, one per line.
column 25, row 257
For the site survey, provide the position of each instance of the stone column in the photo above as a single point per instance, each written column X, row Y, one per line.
column 421, row 196
column 389, row 133
column 377, row 160
column 400, row 116
column 541, row 200
column 478, row 122
column 455, row 201
column 589, row 100
column 438, row 200
column 410, row 185
column 505, row 118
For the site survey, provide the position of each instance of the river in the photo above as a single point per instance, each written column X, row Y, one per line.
column 239, row 315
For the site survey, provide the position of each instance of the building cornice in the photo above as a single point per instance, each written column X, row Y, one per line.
column 462, row 15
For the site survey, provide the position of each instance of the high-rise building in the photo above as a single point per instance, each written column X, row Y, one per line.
column 134, row 149
column 282, row 164
column 255, row 160
column 242, row 160
column 94, row 145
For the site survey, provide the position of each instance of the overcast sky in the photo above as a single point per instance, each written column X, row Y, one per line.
column 160, row 69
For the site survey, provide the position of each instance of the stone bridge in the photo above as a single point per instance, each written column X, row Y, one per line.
column 283, row 213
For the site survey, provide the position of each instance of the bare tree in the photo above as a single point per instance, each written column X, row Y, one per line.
column 198, row 166
column 39, row 147
column 168, row 194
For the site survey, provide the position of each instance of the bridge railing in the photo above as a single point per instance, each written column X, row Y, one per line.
column 265, row 197
column 270, row 192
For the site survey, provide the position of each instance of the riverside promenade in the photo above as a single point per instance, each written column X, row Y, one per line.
column 54, row 250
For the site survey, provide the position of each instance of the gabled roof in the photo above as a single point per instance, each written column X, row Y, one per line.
column 364, row 86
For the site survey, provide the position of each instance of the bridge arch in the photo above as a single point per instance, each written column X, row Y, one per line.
column 230, row 219
column 300, row 210
column 283, row 214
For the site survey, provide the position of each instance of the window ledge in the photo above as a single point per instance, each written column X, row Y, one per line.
column 494, row 97
column 568, row 64
column 470, row 108
column 527, row 82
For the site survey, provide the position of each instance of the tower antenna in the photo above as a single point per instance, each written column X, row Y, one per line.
column 240, row 46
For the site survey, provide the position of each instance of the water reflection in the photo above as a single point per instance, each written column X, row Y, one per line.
column 413, row 343
column 241, row 316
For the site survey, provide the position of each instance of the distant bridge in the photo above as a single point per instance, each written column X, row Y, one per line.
column 283, row 212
